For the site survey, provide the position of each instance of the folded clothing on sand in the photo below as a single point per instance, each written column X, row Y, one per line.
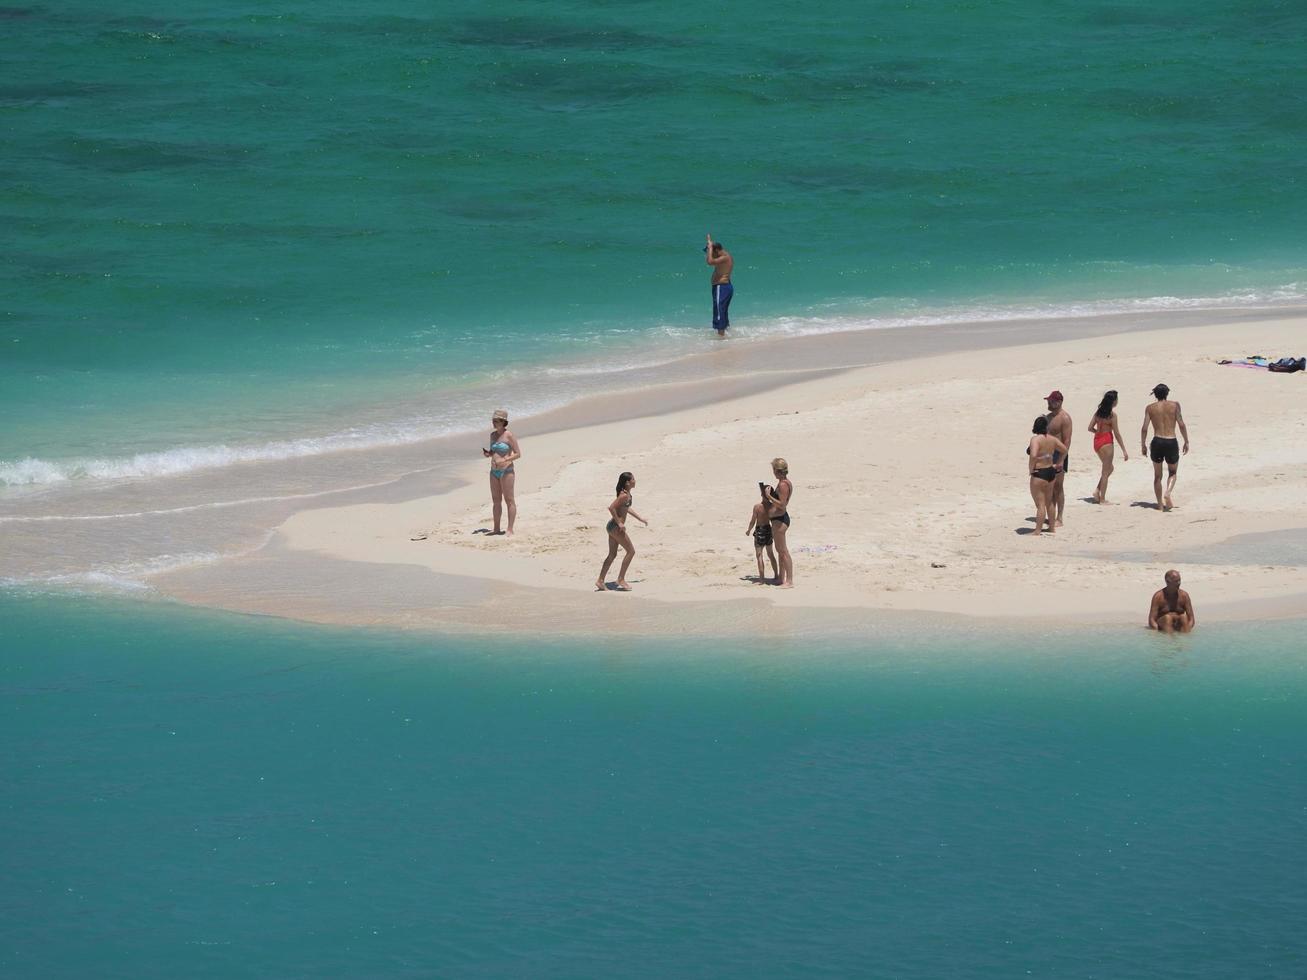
column 1285, row 365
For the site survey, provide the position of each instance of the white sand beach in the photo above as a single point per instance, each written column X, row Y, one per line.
column 911, row 494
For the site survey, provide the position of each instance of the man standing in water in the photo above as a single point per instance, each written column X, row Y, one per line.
column 722, row 290
column 1164, row 416
column 1172, row 611
column 1059, row 426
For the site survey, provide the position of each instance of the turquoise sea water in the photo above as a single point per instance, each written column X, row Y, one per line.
column 232, row 225
column 237, row 233
column 211, row 796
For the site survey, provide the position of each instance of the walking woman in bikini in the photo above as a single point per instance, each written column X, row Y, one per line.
column 780, row 520
column 1043, row 471
column 617, row 536
column 502, row 452
column 1105, row 429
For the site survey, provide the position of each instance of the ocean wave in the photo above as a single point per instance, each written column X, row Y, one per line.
column 805, row 326
column 188, row 508
column 661, row 345
column 31, row 471
column 129, row 577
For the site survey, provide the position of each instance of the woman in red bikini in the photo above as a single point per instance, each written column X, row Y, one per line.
column 1103, row 426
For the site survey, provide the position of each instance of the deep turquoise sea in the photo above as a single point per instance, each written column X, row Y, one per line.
column 237, row 231
column 211, row 796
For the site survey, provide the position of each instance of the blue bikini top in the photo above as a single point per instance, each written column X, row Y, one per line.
column 500, row 448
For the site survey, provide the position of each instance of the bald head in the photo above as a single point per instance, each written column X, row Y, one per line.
column 1172, row 578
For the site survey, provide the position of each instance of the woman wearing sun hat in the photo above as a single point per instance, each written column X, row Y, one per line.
column 502, row 452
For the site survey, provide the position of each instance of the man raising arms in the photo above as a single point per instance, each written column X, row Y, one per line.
column 1059, row 426
column 1164, row 416
column 1172, row 611
column 722, row 290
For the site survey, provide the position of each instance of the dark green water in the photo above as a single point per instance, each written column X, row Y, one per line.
column 228, row 224
column 195, row 795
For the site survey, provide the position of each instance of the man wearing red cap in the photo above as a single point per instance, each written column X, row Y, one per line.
column 1059, row 425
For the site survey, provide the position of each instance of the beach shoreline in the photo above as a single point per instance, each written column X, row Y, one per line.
column 910, row 495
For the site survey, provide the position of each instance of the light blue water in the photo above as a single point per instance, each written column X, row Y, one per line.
column 228, row 224
column 218, row 797
column 238, row 233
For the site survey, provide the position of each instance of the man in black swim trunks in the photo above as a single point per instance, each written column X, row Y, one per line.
column 1165, row 417
column 1060, row 427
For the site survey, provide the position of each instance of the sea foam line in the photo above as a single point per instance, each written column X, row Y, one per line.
column 124, row 577
column 187, row 459
column 191, row 508
column 31, row 471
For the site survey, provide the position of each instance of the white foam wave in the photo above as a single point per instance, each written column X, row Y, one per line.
column 130, row 577
column 804, row 326
column 188, row 508
column 664, row 345
column 187, row 459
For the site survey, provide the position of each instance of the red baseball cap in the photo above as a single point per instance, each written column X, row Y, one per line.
column 1054, row 396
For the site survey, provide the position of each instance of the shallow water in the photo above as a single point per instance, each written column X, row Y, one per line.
column 230, row 229
column 219, row 796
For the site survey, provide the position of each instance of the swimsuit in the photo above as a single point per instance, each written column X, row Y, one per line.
column 501, row 449
column 783, row 516
column 1066, row 465
column 1046, row 473
column 612, row 524
column 762, row 535
column 1102, row 437
column 1164, row 449
column 721, row 304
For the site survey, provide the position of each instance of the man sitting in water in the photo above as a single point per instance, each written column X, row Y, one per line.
column 722, row 290
column 1165, row 417
column 1172, row 610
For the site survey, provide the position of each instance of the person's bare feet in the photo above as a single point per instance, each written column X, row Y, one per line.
column 787, row 585
column 1058, row 524
column 1167, row 503
column 600, row 586
column 622, row 586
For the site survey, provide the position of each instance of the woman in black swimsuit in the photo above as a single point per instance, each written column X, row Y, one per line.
column 1043, row 471
column 617, row 536
column 779, row 498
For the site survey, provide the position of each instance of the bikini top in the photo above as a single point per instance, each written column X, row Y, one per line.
column 500, row 448
column 1050, row 456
